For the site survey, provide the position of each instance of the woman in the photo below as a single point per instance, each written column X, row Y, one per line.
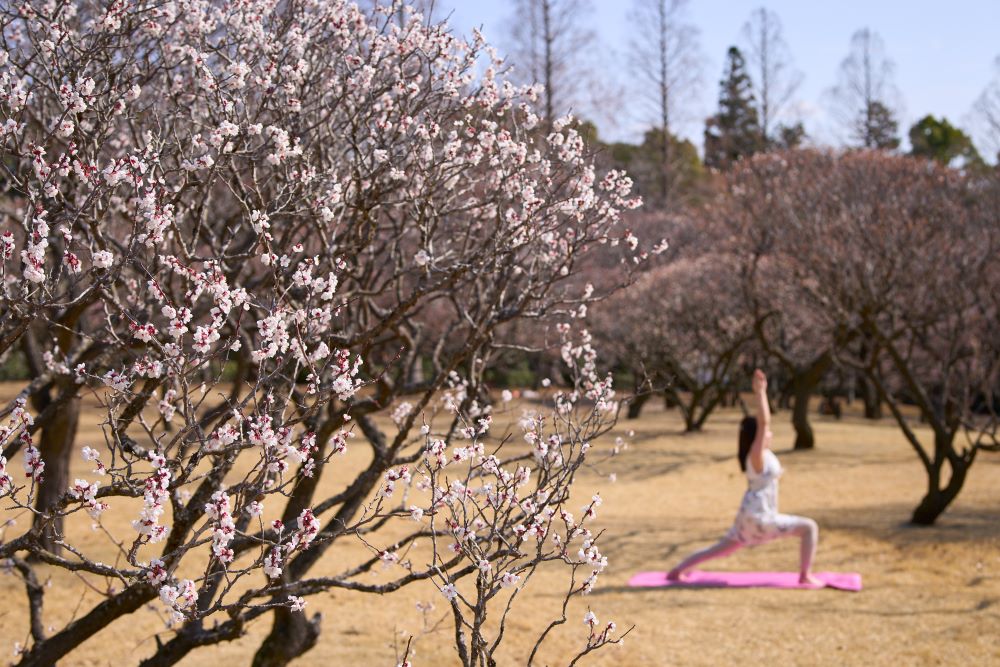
column 758, row 520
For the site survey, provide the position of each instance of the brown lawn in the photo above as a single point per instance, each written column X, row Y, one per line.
column 932, row 595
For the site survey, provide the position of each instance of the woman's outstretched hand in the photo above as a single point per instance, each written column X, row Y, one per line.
column 759, row 382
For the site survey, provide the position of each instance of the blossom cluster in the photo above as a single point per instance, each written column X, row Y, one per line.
column 231, row 218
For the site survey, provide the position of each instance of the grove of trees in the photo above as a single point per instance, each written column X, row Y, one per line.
column 812, row 261
column 861, row 265
column 261, row 235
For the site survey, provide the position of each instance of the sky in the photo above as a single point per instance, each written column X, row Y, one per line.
column 944, row 52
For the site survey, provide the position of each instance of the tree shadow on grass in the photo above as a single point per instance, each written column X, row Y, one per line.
column 661, row 462
column 889, row 522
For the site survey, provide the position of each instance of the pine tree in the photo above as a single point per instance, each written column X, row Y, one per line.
column 734, row 131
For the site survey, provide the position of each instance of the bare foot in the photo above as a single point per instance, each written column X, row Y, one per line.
column 811, row 580
column 674, row 575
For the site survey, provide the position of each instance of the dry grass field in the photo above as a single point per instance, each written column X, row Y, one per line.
column 932, row 595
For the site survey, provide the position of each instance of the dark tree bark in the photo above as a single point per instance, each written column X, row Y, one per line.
column 292, row 635
column 191, row 638
column 56, row 447
column 803, row 386
column 804, row 436
column 59, row 645
column 871, row 399
column 785, row 397
column 701, row 404
column 870, row 394
column 937, row 499
column 636, row 404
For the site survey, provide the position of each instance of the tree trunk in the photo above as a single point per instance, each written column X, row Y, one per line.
column 692, row 420
column 869, row 392
column 785, row 397
column 731, row 400
column 871, row 398
column 635, row 405
column 415, row 371
column 803, row 385
column 804, row 437
column 688, row 411
column 669, row 401
column 937, row 500
column 59, row 645
column 56, row 447
column 291, row 636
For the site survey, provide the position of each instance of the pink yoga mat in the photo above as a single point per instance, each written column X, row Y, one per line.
column 844, row 581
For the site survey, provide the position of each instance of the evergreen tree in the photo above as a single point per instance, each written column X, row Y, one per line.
column 879, row 128
column 788, row 136
column 940, row 140
column 644, row 163
column 734, row 131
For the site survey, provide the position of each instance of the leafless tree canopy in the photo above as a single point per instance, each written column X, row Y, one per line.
column 666, row 60
column 551, row 45
column 865, row 84
column 987, row 108
column 774, row 76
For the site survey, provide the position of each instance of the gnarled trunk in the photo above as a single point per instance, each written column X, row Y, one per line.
column 291, row 636
column 635, row 405
column 696, row 413
column 937, row 499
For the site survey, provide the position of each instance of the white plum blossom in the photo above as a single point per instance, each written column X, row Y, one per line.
column 103, row 259
column 401, row 412
column 449, row 592
column 273, row 563
column 304, row 222
column 509, row 580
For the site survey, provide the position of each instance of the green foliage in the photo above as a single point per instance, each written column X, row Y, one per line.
column 517, row 369
column 788, row 136
column 879, row 127
column 734, row 131
column 660, row 172
column 13, row 366
column 587, row 130
column 940, row 140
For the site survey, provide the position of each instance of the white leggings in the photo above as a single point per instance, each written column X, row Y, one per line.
column 791, row 525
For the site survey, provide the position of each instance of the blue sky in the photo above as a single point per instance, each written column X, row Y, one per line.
column 944, row 52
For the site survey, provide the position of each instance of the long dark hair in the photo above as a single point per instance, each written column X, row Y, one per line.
column 748, row 431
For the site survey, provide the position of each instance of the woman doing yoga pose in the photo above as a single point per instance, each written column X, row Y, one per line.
column 758, row 520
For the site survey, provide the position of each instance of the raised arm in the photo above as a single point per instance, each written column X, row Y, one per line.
column 763, row 420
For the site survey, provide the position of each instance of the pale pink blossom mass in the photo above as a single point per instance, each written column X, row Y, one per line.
column 255, row 231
